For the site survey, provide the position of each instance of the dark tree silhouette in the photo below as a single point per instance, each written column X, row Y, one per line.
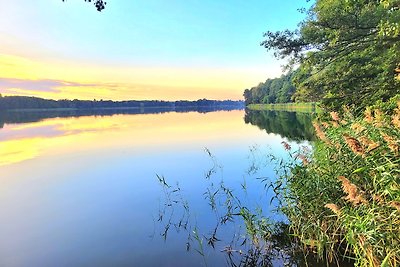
column 25, row 102
column 99, row 4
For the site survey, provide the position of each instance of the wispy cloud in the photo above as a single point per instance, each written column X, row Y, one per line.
column 12, row 85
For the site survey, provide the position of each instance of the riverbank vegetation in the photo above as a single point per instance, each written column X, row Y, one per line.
column 343, row 199
column 308, row 107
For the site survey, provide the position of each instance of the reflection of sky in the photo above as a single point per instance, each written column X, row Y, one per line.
column 83, row 191
column 20, row 142
column 16, row 133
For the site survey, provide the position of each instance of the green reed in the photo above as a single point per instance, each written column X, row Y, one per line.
column 343, row 199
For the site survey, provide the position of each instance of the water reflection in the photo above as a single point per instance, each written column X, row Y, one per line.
column 46, row 136
column 7, row 117
column 296, row 126
column 82, row 190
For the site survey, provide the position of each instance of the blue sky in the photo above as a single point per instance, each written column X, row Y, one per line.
column 172, row 49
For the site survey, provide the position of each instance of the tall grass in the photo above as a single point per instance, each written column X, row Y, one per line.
column 298, row 107
column 343, row 200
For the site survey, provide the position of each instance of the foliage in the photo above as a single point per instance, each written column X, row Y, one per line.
column 99, row 4
column 348, row 51
column 344, row 199
column 278, row 90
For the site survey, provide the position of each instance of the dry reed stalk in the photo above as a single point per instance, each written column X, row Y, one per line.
column 392, row 143
column 395, row 204
column 354, row 145
column 377, row 198
column 335, row 116
column 357, row 127
column 320, row 133
column 379, row 117
column 286, row 145
column 396, row 119
column 396, row 116
column 368, row 144
column 334, row 208
column 354, row 195
column 303, row 158
column 325, row 124
column 368, row 116
column 394, row 148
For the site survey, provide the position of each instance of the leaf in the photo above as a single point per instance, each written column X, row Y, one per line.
column 360, row 170
column 385, row 262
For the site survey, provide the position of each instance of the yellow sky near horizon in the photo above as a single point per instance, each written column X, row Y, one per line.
column 91, row 81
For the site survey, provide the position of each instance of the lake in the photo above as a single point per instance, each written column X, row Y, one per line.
column 83, row 189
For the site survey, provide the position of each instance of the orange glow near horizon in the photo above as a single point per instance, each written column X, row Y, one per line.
column 88, row 82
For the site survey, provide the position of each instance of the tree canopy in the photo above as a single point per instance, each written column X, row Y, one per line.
column 347, row 50
column 278, row 90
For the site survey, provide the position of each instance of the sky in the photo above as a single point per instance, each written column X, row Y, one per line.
column 139, row 49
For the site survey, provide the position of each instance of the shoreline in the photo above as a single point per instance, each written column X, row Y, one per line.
column 297, row 107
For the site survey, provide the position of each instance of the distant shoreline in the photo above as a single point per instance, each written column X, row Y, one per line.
column 24, row 103
column 113, row 108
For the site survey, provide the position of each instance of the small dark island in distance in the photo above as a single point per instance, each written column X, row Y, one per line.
column 20, row 109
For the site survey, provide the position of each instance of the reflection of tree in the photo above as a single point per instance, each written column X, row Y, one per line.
column 1, row 119
column 34, row 116
column 292, row 125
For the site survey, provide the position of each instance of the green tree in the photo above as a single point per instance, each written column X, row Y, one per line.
column 278, row 90
column 348, row 51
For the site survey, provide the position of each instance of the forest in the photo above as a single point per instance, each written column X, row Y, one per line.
column 23, row 102
column 278, row 90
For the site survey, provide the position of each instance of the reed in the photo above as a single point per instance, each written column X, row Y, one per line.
column 345, row 202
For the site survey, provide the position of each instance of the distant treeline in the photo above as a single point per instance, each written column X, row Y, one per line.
column 24, row 102
column 278, row 90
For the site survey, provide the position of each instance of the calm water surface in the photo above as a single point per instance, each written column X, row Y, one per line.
column 83, row 190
